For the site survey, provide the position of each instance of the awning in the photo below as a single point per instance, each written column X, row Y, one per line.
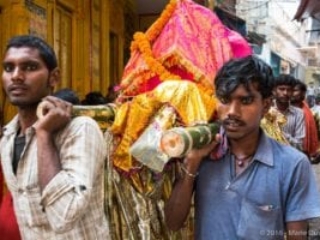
column 256, row 38
column 308, row 8
column 232, row 21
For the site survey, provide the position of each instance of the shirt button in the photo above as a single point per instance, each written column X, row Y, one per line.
column 22, row 192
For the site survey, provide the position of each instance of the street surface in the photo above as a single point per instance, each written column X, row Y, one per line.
column 314, row 225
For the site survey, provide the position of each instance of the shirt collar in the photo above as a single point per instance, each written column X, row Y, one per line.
column 12, row 127
column 263, row 154
column 290, row 108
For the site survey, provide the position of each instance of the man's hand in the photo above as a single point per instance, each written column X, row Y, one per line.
column 55, row 114
column 195, row 156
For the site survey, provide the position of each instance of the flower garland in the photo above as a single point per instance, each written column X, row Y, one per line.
column 142, row 42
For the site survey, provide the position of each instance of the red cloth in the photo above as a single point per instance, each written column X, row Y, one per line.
column 1, row 186
column 310, row 142
column 9, row 229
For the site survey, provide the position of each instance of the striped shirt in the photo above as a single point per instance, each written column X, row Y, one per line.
column 71, row 205
column 294, row 129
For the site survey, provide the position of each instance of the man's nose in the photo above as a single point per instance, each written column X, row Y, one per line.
column 286, row 92
column 234, row 109
column 17, row 74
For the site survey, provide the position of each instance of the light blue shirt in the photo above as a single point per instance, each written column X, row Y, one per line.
column 277, row 187
column 295, row 128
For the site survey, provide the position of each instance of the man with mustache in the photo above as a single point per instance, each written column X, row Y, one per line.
column 54, row 165
column 255, row 188
column 310, row 141
column 294, row 129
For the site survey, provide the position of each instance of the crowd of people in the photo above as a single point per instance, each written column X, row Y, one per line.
column 92, row 98
column 244, row 184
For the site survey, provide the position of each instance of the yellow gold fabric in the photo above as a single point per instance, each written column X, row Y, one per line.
column 136, row 214
column 192, row 105
column 146, row 149
column 272, row 123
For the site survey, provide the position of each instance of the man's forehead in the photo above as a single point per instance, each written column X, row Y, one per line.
column 284, row 86
column 23, row 49
column 22, row 53
column 243, row 90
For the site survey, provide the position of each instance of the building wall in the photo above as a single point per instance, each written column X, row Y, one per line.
column 283, row 36
column 80, row 32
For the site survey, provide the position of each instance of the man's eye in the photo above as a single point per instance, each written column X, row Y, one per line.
column 247, row 100
column 8, row 68
column 223, row 100
column 30, row 67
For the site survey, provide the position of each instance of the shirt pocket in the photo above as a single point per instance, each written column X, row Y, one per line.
column 37, row 216
column 259, row 222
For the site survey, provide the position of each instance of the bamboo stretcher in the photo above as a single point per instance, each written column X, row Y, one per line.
column 137, row 213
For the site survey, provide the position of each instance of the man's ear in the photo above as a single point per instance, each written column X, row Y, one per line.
column 54, row 77
column 267, row 103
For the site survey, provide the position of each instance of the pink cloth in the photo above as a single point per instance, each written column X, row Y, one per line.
column 194, row 42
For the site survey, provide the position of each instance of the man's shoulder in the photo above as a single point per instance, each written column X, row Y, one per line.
column 296, row 109
column 82, row 123
column 83, row 120
column 285, row 151
column 296, row 112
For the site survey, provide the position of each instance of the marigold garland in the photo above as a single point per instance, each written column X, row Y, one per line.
column 142, row 42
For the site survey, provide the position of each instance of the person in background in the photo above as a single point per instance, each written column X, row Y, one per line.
column 316, row 115
column 294, row 128
column 316, row 107
column 112, row 94
column 67, row 95
column 53, row 166
column 94, row 98
column 310, row 141
column 311, row 93
column 247, row 186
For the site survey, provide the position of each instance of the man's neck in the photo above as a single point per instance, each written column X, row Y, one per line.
column 297, row 104
column 26, row 119
column 246, row 146
column 282, row 107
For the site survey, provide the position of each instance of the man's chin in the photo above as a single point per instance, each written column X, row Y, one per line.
column 23, row 104
column 233, row 135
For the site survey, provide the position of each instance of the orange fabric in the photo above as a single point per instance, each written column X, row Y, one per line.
column 310, row 142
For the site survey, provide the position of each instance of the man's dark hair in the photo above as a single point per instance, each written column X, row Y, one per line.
column 244, row 71
column 301, row 85
column 67, row 95
column 285, row 79
column 94, row 98
column 46, row 53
